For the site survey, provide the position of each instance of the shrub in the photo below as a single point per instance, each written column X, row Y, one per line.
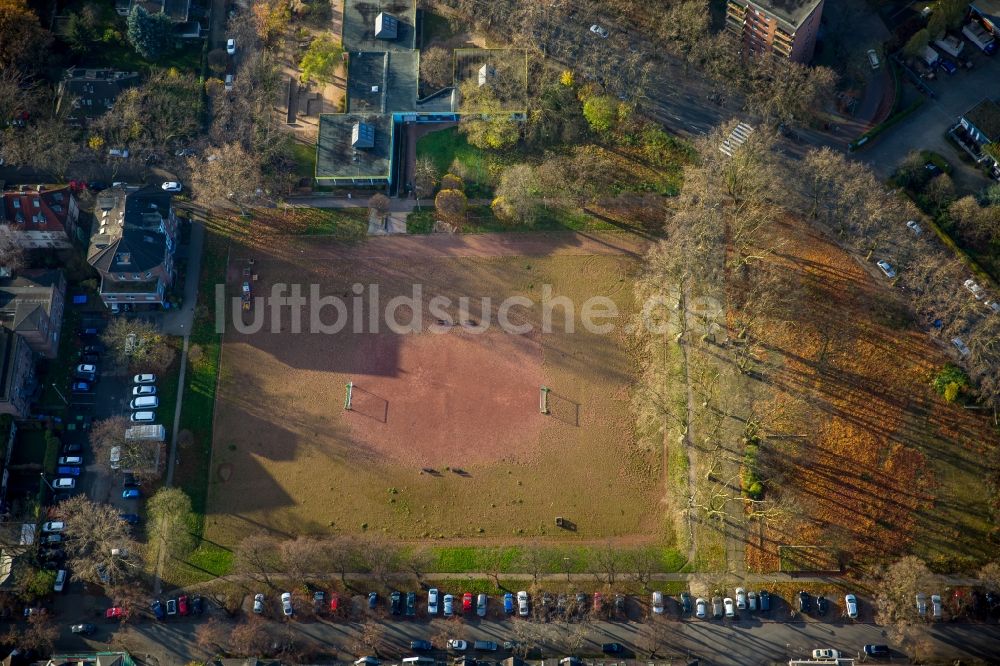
column 950, row 382
column 752, row 486
column 601, row 111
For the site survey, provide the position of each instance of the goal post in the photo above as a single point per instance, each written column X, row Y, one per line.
column 348, row 394
column 543, row 399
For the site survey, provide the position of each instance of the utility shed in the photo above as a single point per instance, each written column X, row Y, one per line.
column 363, row 136
column 386, row 26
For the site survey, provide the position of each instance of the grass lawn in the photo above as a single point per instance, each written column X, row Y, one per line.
column 451, row 153
column 482, row 220
column 305, row 159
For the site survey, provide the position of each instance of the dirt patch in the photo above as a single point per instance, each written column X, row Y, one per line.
column 452, row 398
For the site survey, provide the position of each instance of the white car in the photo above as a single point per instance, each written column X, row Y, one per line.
column 700, row 608
column 143, row 390
column 730, row 607
column 64, row 483
column 914, row 227
column 60, row 582
column 851, row 606
column 976, row 290
column 457, row 645
column 228, row 83
column 873, row 58
column 231, row 46
column 171, row 186
column 258, row 603
column 286, row 604
column 54, row 526
column 921, row 604
column 144, row 379
column 599, row 31
column 826, row 653
column 522, row 603
column 657, row 603
column 960, row 345
column 936, row 606
column 741, row 598
column 886, row 268
column 432, row 601
column 70, row 460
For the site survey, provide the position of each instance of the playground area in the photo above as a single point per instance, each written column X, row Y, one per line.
column 445, row 435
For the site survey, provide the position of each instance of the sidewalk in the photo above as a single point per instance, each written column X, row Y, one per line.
column 179, row 320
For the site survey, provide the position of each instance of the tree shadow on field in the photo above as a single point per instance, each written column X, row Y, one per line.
column 563, row 409
column 366, row 403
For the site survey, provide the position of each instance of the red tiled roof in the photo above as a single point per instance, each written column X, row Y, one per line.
column 37, row 211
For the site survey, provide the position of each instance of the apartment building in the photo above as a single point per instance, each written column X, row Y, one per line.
column 783, row 28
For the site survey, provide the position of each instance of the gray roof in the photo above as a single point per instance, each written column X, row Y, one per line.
column 986, row 118
column 130, row 237
column 338, row 159
column 26, row 299
column 93, row 91
column 791, row 12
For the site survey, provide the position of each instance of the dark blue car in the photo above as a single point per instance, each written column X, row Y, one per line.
column 947, row 65
column 130, row 518
column 157, row 608
column 68, row 471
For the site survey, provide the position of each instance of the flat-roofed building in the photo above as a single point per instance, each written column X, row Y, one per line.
column 783, row 28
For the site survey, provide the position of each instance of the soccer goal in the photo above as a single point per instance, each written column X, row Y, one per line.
column 543, row 399
column 348, row 394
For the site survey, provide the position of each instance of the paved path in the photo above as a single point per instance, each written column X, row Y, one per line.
column 436, row 246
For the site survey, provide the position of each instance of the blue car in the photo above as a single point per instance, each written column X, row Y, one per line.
column 508, row 603
column 81, row 387
column 948, row 65
column 131, row 493
column 68, row 471
column 130, row 518
column 157, row 609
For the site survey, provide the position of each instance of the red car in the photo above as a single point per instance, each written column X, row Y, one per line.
column 182, row 605
column 467, row 602
column 334, row 602
column 598, row 602
column 114, row 613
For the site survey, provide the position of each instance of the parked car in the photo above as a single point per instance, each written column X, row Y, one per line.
column 741, row 598
column 685, row 602
column 851, row 606
column 963, row 349
column 599, row 31
column 449, row 605
column 144, row 379
column 395, row 603
column 805, row 602
column 936, row 606
column 886, row 268
column 656, row 604
column 456, row 644
column 620, row 605
column 142, row 417
column 228, row 83
column 114, row 613
column 258, row 603
column 411, row 604
column 231, row 46
column 822, row 605
column 481, row 602
column 51, row 539
column 53, row 526
column 522, row 603
column 64, row 483
column 145, row 402
column 286, row 604
column 171, row 607
column 730, row 607
column 144, row 389
column 81, row 387
column 60, row 581
column 319, row 601
column 873, row 59
column 131, row 493
column 826, row 653
column 372, row 600
column 508, row 603
column 421, row 645
column 84, row 629
column 432, row 601
column 612, row 648
column 598, row 602
column 70, row 460
column 171, row 186
column 914, row 227
column 87, row 371
column 72, row 447
column 752, row 600
column 878, row 651
column 68, row 470
column 700, row 608
column 467, row 602
column 197, row 605
column 717, row 608
column 157, row 608
column 334, row 602
column 974, row 288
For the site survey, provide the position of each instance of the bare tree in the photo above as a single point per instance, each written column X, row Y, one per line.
column 437, row 68
column 232, row 174
column 345, row 556
column 135, row 454
column 451, row 206
column 642, row 563
column 40, row 635
column 250, row 637
column 167, row 527
column 425, row 178
column 98, row 544
column 257, row 557
column 302, row 556
column 606, row 563
column 212, row 636
column 12, row 258
column 896, row 591
column 138, row 345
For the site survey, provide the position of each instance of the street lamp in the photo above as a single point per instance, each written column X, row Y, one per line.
column 41, row 475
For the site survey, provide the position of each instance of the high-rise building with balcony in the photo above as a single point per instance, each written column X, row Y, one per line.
column 783, row 28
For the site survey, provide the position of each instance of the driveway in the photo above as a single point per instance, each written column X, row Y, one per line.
column 925, row 128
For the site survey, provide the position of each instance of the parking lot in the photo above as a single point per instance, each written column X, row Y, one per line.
column 925, row 129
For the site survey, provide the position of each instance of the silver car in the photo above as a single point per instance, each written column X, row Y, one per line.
column 258, row 603
column 286, row 604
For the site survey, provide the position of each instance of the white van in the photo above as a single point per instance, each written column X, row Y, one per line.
column 60, row 580
column 143, row 417
column 116, row 457
column 145, row 402
column 419, row 661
